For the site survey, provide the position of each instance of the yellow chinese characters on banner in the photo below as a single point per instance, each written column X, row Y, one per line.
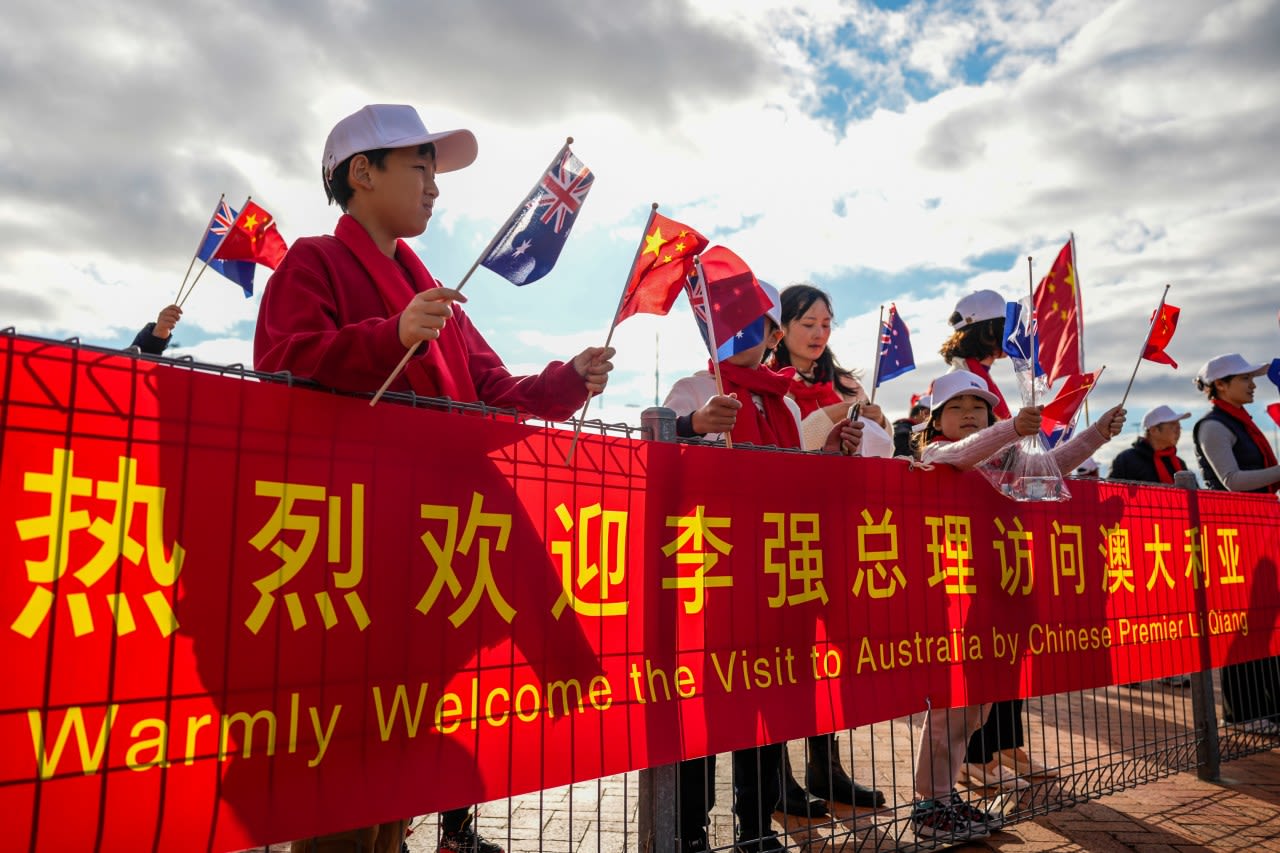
column 579, row 572
column 70, row 499
column 799, row 570
column 485, row 532
column 951, row 544
column 1017, row 563
column 1066, row 556
column 301, row 509
column 690, row 548
column 880, row 580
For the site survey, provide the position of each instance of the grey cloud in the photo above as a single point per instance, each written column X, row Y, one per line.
column 18, row 307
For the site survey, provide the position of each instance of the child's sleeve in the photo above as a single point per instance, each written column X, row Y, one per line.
column 555, row 394
column 1078, row 448
column 972, row 451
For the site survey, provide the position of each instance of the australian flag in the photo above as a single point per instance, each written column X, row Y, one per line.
column 241, row 272
column 895, row 348
column 1020, row 342
column 1273, row 372
column 529, row 244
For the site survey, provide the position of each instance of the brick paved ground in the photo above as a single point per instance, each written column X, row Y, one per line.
column 1125, row 759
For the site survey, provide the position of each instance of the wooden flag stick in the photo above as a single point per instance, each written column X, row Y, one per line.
column 1145, row 341
column 577, row 429
column 875, row 375
column 409, row 353
column 196, row 254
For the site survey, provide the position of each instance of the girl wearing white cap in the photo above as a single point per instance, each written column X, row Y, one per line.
column 1234, row 456
column 963, row 432
column 976, row 342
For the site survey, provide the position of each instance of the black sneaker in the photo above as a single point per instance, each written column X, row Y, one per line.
column 466, row 840
column 975, row 816
column 937, row 819
column 799, row 802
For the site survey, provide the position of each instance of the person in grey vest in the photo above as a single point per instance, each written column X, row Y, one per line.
column 1234, row 456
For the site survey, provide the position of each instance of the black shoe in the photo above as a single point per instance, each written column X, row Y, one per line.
column 842, row 789
column 466, row 840
column 695, row 843
column 796, row 801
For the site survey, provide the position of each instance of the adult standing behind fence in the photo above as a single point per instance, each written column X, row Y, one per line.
column 1234, row 456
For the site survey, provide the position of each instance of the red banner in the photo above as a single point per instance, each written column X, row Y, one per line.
column 239, row 613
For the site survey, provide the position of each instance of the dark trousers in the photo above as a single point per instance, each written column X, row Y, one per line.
column 757, row 788
column 1001, row 730
column 1251, row 690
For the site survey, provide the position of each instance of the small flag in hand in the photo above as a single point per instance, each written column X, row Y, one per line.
column 241, row 272
column 1162, row 329
column 895, row 348
column 1021, row 341
column 529, row 244
column 1063, row 408
column 253, row 237
column 729, row 298
column 662, row 266
column 1273, row 373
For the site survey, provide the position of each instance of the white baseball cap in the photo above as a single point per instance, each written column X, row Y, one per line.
column 976, row 307
column 957, row 384
column 1087, row 467
column 775, row 302
column 395, row 126
column 1162, row 415
column 1231, row 364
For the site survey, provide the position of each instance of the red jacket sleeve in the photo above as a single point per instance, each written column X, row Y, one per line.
column 308, row 327
column 555, row 394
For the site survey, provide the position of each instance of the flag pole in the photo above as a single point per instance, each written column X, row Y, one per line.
column 577, row 429
column 217, row 207
column 875, row 374
column 184, row 297
column 711, row 344
column 1075, row 271
column 1031, row 326
column 1145, row 341
column 483, row 254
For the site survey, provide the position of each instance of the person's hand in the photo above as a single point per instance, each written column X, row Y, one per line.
column 1027, row 421
column 168, row 318
column 872, row 412
column 845, row 437
column 593, row 365
column 1111, row 423
column 426, row 314
column 719, row 415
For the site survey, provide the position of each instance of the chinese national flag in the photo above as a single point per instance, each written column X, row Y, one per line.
column 1057, row 319
column 1063, row 407
column 661, row 268
column 1162, row 328
column 730, row 292
column 1274, row 411
column 254, row 238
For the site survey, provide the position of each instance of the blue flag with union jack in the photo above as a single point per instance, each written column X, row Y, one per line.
column 241, row 272
column 529, row 244
column 896, row 357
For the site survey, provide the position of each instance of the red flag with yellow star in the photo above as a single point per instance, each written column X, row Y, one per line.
column 1163, row 324
column 254, row 238
column 1058, row 318
column 665, row 260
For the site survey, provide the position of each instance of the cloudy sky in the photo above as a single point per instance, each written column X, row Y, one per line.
column 905, row 152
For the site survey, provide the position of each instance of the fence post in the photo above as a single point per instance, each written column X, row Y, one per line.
column 1203, row 709
column 658, row 784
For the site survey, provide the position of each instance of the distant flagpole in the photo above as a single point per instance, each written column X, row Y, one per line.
column 1075, row 271
column 711, row 334
column 1154, row 318
column 577, row 429
column 216, row 208
column 183, row 300
column 483, row 254
column 875, row 375
column 1031, row 327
